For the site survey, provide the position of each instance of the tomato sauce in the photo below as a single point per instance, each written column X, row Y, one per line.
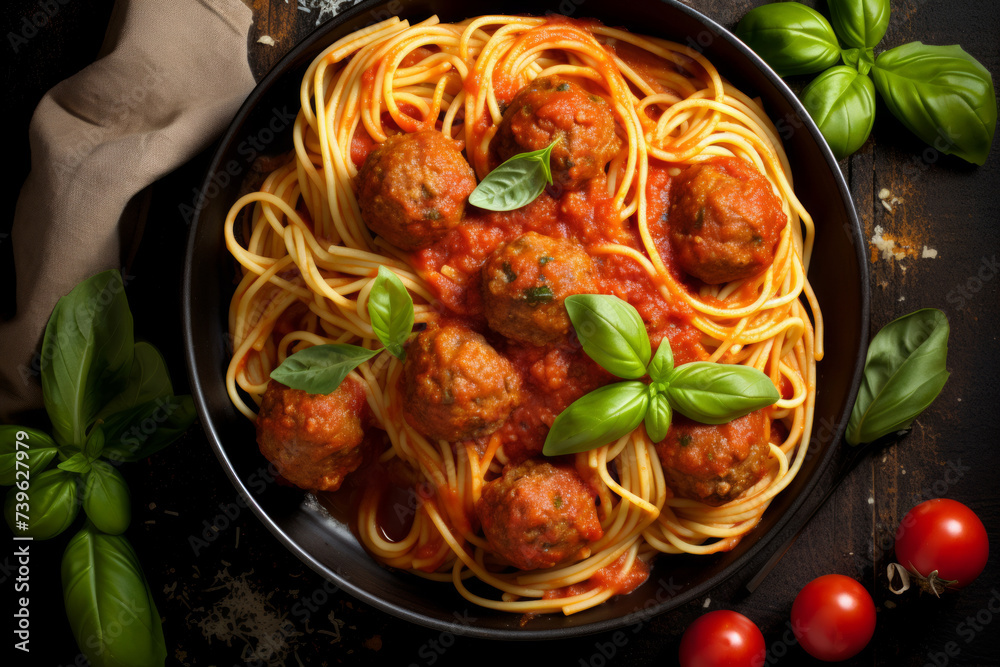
column 613, row 577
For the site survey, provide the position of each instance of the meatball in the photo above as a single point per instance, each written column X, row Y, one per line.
column 526, row 282
column 715, row 463
column 725, row 220
column 551, row 108
column 412, row 188
column 314, row 440
column 537, row 515
column 457, row 387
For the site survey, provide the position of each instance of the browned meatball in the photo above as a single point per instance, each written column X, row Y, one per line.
column 413, row 187
column 549, row 108
column 715, row 463
column 526, row 282
column 537, row 515
column 725, row 220
column 457, row 387
column 314, row 440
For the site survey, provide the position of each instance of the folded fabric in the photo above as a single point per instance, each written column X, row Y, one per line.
column 173, row 76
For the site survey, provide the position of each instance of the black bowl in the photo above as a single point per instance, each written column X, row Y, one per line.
column 838, row 274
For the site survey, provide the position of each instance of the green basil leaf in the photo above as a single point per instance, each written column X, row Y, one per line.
column 790, row 37
column 658, row 417
column 661, row 368
column 597, row 418
column 108, row 602
column 941, row 94
column 136, row 434
column 321, row 368
column 148, row 379
column 78, row 464
column 106, row 499
column 612, row 333
column 36, row 449
column 904, row 373
column 390, row 308
column 718, row 393
column 95, row 443
column 859, row 23
column 50, row 506
column 86, row 354
column 516, row 182
column 842, row 102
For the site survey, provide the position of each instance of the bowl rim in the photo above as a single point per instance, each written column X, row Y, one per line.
column 198, row 390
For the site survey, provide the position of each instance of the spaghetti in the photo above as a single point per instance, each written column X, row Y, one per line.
column 309, row 262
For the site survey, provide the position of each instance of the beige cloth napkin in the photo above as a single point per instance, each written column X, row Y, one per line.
column 173, row 75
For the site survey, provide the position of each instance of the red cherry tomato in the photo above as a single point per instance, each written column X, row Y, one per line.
column 946, row 536
column 722, row 639
column 833, row 617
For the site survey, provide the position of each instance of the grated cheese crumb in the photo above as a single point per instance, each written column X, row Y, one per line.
column 929, row 253
column 266, row 40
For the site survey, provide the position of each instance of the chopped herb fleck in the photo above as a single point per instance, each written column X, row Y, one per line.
column 699, row 219
column 425, row 191
column 684, row 440
column 542, row 261
column 562, row 87
column 508, row 272
column 538, row 295
column 432, row 214
column 557, row 502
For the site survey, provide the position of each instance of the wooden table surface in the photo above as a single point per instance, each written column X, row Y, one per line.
column 244, row 599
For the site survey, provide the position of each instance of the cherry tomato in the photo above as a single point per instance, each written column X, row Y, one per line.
column 946, row 536
column 833, row 617
column 722, row 639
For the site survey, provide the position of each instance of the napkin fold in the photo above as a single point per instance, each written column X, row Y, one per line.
column 170, row 77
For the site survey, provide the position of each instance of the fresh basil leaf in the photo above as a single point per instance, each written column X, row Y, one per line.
column 790, row 37
column 50, row 504
column 148, row 379
column 516, row 182
column 661, row 368
column 904, row 373
column 108, row 602
column 658, row 417
column 78, row 464
column 321, row 368
column 597, row 418
column 718, row 393
column 842, row 102
column 24, row 450
column 106, row 499
column 859, row 23
column 95, row 443
column 86, row 354
column 136, row 434
column 611, row 332
column 941, row 94
column 390, row 308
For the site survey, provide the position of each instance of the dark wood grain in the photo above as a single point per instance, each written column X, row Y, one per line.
column 243, row 599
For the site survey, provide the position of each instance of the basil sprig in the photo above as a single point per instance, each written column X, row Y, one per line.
column 842, row 102
column 791, row 37
column 321, row 368
column 940, row 93
column 390, row 308
column 515, row 183
column 612, row 334
column 904, row 372
column 109, row 400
